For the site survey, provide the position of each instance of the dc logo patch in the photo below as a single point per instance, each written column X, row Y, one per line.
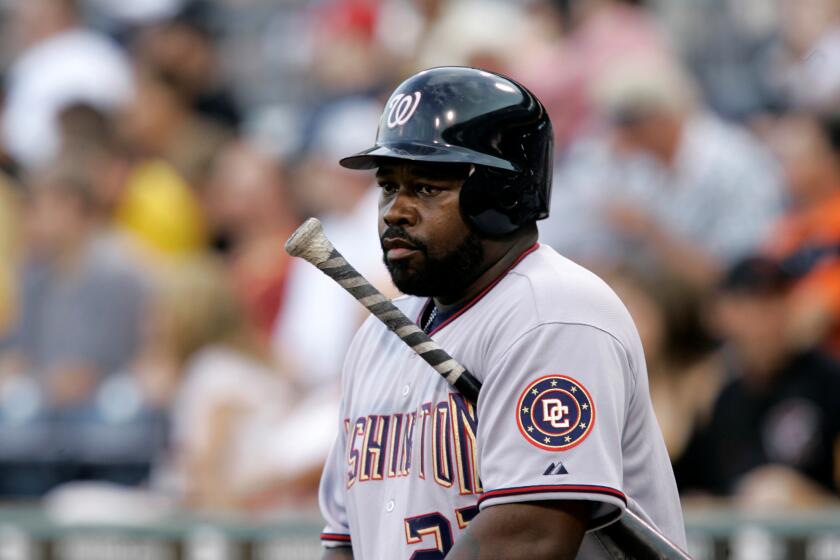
column 555, row 413
column 402, row 108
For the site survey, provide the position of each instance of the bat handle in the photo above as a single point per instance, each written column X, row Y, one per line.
column 635, row 536
column 468, row 386
column 336, row 267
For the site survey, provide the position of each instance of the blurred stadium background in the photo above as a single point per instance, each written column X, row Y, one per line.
column 168, row 377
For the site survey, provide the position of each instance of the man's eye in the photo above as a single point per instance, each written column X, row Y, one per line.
column 427, row 190
column 388, row 188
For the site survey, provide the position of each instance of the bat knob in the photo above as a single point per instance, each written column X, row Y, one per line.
column 309, row 242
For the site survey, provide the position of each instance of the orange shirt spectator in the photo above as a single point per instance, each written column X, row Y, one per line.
column 807, row 240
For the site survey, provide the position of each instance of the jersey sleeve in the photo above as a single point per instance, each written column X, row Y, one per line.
column 551, row 413
column 332, row 493
column 331, row 497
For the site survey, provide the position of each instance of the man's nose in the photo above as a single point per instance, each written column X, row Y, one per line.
column 400, row 210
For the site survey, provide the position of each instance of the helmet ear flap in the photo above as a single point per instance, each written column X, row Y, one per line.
column 508, row 197
column 488, row 201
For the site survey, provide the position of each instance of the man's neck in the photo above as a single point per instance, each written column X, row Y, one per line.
column 502, row 255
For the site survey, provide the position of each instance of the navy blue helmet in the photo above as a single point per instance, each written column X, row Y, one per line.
column 467, row 115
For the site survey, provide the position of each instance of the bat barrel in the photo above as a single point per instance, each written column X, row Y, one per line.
column 641, row 541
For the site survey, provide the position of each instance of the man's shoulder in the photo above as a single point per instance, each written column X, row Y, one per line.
column 547, row 288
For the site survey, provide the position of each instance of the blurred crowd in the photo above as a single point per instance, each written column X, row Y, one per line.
column 155, row 156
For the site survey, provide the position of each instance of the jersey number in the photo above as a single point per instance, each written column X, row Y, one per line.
column 437, row 525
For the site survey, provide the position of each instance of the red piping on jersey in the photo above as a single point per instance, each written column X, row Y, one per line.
column 335, row 537
column 481, row 294
column 548, row 489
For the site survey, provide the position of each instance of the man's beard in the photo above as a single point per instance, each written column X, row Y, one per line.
column 448, row 275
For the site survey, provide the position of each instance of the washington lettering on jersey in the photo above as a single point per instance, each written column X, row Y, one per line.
column 436, row 441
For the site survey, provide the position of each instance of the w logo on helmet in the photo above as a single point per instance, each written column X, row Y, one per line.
column 401, row 108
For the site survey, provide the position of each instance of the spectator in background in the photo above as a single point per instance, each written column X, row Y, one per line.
column 9, row 225
column 413, row 18
column 807, row 237
column 8, row 166
column 82, row 292
column 88, row 135
column 346, row 59
column 184, row 49
column 318, row 318
column 578, row 42
column 9, row 230
column 80, row 309
column 808, row 53
column 59, row 63
column 727, row 45
column 684, row 372
column 89, row 142
column 774, row 433
column 230, row 408
column 248, row 210
column 160, row 123
column 174, row 152
column 670, row 184
column 479, row 33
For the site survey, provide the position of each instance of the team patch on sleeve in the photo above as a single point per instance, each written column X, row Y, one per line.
column 555, row 413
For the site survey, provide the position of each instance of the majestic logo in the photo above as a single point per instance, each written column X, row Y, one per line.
column 401, row 108
column 557, row 469
column 555, row 413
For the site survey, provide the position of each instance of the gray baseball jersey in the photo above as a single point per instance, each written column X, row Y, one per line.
column 564, row 414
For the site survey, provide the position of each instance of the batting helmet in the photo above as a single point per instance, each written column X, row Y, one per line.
column 466, row 115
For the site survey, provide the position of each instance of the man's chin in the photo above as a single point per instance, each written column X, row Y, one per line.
column 409, row 283
column 421, row 275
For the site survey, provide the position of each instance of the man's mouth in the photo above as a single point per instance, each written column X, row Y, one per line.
column 397, row 248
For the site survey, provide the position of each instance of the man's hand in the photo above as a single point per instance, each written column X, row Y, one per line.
column 340, row 553
column 535, row 530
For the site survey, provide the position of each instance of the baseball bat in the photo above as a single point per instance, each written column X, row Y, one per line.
column 309, row 242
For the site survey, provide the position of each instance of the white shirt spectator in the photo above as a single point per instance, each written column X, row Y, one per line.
column 816, row 79
column 319, row 318
column 217, row 378
column 71, row 67
column 274, row 435
column 722, row 194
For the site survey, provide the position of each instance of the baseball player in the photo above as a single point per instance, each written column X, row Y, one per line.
column 563, row 437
